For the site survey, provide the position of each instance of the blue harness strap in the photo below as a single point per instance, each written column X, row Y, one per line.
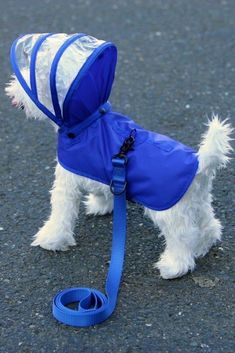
column 92, row 306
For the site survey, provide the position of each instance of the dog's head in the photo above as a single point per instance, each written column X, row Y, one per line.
column 22, row 57
column 63, row 77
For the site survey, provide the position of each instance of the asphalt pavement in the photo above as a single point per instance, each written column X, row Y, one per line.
column 176, row 65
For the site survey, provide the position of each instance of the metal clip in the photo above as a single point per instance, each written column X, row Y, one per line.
column 128, row 143
column 117, row 192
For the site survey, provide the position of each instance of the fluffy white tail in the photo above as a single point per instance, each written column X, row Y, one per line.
column 215, row 145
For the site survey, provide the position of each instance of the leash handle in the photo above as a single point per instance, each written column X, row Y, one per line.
column 92, row 306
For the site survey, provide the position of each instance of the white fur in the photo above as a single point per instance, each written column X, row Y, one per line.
column 189, row 228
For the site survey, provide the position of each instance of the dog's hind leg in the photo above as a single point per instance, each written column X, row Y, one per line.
column 57, row 232
column 180, row 235
column 210, row 230
column 180, row 229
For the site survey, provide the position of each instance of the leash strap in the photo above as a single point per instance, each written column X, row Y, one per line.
column 92, row 306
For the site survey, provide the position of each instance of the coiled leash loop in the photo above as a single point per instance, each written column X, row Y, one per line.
column 91, row 305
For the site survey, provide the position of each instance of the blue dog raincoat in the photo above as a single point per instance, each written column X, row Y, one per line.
column 78, row 74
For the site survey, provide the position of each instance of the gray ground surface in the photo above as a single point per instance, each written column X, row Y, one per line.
column 176, row 66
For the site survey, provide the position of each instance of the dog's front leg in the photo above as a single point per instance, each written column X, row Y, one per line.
column 57, row 232
column 99, row 202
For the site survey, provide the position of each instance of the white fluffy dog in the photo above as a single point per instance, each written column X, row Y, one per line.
column 189, row 227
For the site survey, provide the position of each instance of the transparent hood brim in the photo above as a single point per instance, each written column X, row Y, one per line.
column 30, row 84
column 24, row 83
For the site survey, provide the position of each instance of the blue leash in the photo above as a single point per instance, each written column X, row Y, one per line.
column 92, row 305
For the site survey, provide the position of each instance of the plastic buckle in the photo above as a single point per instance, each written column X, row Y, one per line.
column 119, row 159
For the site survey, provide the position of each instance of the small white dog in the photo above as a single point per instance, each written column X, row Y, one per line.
column 189, row 227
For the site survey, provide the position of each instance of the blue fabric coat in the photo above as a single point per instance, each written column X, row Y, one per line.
column 159, row 170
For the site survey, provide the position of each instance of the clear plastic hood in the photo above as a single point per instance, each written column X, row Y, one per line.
column 67, row 76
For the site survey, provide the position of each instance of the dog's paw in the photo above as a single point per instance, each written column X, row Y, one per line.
column 54, row 239
column 98, row 205
column 171, row 266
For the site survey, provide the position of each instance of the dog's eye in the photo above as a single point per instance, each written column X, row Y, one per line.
column 22, row 107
